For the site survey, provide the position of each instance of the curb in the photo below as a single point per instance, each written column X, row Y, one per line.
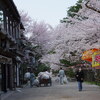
column 3, row 95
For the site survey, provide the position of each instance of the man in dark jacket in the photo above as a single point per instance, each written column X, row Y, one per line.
column 80, row 77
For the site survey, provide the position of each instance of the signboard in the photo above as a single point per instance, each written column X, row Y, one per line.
column 87, row 55
column 96, row 59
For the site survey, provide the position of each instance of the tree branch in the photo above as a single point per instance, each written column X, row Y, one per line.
column 91, row 7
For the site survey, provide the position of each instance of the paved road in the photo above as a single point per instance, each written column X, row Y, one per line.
column 57, row 92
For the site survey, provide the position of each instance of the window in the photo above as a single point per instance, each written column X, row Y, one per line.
column 7, row 26
column 3, row 43
column 0, row 77
column 1, row 19
column 10, row 28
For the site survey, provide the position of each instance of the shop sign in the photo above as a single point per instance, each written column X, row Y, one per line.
column 96, row 59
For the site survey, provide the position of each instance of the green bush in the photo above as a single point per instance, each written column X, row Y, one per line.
column 51, row 52
column 65, row 62
column 42, row 67
column 70, row 73
column 55, row 72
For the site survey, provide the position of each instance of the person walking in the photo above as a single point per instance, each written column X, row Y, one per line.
column 80, row 77
column 27, row 77
column 61, row 75
column 32, row 78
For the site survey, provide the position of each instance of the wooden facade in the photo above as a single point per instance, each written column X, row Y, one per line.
column 10, row 47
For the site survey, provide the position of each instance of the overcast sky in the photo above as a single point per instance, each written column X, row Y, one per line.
column 50, row 11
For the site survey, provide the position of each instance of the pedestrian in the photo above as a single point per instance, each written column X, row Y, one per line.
column 48, row 73
column 61, row 75
column 27, row 77
column 32, row 78
column 50, row 76
column 80, row 78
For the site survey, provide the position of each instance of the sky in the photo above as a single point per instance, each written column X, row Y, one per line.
column 49, row 11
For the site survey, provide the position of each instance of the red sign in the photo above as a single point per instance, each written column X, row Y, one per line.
column 97, row 58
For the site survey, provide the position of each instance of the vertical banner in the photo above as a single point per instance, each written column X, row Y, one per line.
column 96, row 60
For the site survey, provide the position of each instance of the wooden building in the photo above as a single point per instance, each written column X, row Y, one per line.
column 10, row 45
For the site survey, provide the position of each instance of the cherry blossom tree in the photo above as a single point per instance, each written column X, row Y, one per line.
column 27, row 22
column 80, row 33
column 40, row 35
column 37, row 32
column 67, row 40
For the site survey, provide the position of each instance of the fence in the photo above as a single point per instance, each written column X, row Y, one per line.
column 92, row 75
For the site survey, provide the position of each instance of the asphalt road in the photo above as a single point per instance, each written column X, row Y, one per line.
column 57, row 92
